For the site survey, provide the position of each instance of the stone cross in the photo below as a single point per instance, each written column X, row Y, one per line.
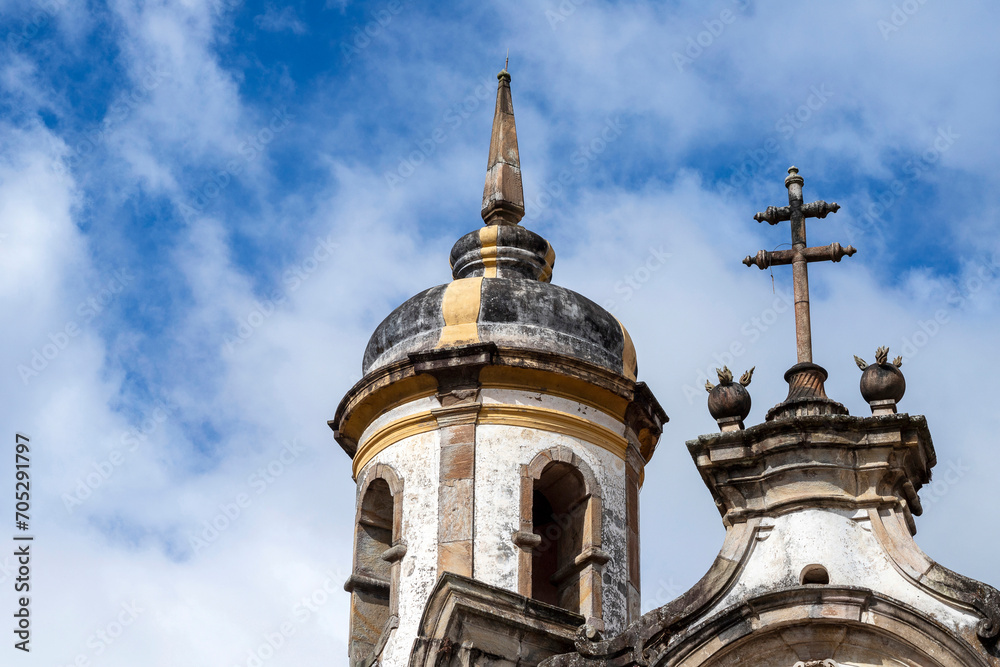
column 799, row 256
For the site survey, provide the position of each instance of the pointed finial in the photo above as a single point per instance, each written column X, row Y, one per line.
column 503, row 198
column 507, row 61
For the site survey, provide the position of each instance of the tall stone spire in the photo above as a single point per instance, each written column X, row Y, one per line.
column 503, row 198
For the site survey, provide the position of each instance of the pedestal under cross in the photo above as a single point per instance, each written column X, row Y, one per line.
column 799, row 256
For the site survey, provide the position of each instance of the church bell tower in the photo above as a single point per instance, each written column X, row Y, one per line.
column 498, row 438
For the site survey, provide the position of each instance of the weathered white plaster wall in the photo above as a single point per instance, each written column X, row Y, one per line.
column 417, row 461
column 841, row 541
column 500, row 451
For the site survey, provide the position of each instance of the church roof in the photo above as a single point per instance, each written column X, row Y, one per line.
column 501, row 292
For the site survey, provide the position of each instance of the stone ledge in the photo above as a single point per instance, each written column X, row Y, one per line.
column 828, row 461
column 466, row 621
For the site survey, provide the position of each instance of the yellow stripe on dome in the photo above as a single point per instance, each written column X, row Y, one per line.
column 460, row 309
column 630, row 365
column 550, row 260
column 488, row 249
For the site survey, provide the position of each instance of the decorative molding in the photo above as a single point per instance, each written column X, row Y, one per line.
column 910, row 561
column 502, row 368
column 488, row 249
column 853, row 463
column 524, row 416
column 678, row 634
column 391, row 433
column 520, row 630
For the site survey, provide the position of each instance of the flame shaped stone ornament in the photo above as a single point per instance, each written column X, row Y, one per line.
column 882, row 383
column 729, row 402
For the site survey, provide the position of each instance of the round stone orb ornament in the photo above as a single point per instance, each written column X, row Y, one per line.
column 882, row 383
column 729, row 402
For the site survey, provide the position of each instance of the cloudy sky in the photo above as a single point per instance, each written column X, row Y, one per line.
column 206, row 207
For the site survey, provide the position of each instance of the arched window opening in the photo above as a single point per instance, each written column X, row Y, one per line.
column 371, row 581
column 559, row 508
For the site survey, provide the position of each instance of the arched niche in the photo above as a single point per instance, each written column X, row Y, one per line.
column 378, row 551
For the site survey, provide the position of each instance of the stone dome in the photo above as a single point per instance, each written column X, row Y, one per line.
column 513, row 313
column 501, row 292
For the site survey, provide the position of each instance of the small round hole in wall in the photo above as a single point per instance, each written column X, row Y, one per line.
column 814, row 574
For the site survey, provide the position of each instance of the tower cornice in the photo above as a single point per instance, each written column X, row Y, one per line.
column 817, row 461
column 488, row 366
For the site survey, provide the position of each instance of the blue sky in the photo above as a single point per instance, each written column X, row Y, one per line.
column 207, row 207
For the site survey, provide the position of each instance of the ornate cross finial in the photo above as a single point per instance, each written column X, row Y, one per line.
column 799, row 256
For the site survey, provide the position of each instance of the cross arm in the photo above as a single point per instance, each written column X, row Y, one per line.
column 816, row 209
column 819, row 209
column 774, row 214
column 833, row 253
